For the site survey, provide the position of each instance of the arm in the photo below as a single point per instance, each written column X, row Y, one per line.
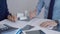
column 6, row 13
column 4, row 8
column 40, row 6
column 37, row 10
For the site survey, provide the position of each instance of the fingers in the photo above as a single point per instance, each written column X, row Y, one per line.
column 32, row 15
column 11, row 19
column 14, row 18
column 45, row 24
column 54, row 23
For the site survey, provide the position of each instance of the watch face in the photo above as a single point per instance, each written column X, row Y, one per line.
column 35, row 32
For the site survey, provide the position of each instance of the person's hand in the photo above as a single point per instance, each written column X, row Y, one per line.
column 32, row 14
column 12, row 18
column 48, row 23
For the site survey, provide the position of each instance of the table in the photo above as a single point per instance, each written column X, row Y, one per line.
column 34, row 22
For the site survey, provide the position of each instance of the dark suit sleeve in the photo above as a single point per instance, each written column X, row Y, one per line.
column 6, row 9
column 3, row 9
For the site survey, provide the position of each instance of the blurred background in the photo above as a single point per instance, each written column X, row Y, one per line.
column 16, row 6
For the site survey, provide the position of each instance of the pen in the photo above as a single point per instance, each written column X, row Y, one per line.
column 19, row 31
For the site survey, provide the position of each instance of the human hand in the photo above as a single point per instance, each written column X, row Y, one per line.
column 12, row 18
column 32, row 14
column 48, row 23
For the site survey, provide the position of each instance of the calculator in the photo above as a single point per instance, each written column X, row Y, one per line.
column 5, row 27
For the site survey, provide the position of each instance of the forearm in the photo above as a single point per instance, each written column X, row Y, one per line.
column 40, row 6
column 4, row 8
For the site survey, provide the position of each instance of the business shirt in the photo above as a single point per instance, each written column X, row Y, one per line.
column 46, row 3
column 3, row 10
